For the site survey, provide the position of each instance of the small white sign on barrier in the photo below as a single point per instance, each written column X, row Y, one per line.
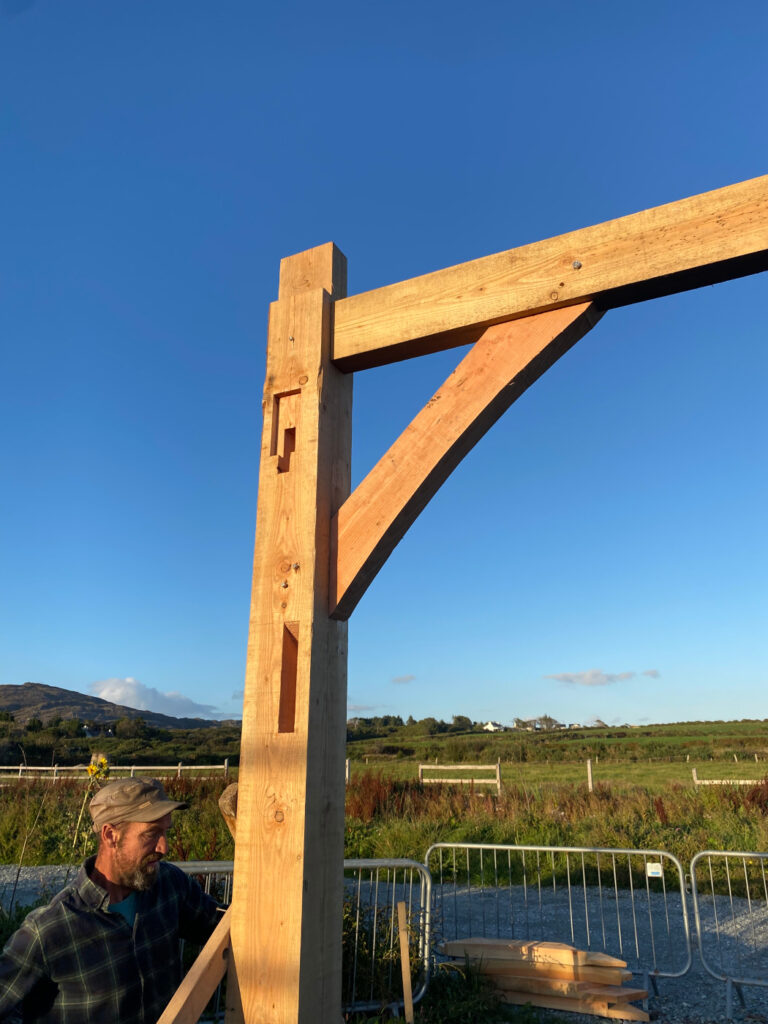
column 653, row 869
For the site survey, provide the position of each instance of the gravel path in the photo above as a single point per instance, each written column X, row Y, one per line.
column 694, row 998
column 645, row 930
column 32, row 883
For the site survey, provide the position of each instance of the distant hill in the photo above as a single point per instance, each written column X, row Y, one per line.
column 36, row 700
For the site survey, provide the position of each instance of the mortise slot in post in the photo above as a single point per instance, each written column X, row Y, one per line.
column 289, row 447
column 286, row 715
column 283, row 442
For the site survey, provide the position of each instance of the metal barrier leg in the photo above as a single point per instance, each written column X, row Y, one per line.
column 650, row 981
column 728, row 999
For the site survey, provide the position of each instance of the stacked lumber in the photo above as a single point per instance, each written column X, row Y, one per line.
column 553, row 975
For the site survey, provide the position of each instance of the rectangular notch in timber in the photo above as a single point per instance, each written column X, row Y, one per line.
column 284, row 415
column 286, row 715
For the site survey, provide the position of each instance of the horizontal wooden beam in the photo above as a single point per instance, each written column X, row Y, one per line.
column 697, row 241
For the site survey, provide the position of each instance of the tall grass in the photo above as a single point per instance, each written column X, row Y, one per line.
column 38, row 821
column 388, row 817
column 399, row 818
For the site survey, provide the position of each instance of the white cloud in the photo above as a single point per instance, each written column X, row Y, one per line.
column 403, row 680
column 594, row 677
column 361, row 707
column 652, row 672
column 134, row 694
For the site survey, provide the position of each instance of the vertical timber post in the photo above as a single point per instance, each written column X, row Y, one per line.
column 286, row 916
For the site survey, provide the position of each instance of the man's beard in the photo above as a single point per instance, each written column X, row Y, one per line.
column 140, row 878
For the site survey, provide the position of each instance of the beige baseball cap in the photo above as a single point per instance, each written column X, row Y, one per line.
column 131, row 800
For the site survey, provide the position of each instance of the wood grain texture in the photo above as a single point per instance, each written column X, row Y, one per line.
column 595, row 1005
column 199, row 984
column 505, row 361
column 505, row 968
column 286, row 927
column 525, row 950
column 405, row 962
column 696, row 241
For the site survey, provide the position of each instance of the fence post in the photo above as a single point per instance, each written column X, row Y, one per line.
column 133, row 770
column 178, row 771
column 226, row 769
column 498, row 776
column 695, row 777
column 55, row 772
column 421, row 773
column 346, row 772
column 589, row 774
column 21, row 769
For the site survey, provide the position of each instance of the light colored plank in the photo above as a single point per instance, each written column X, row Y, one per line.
column 286, row 928
column 619, row 993
column 575, row 972
column 542, row 985
column 405, row 962
column 707, row 238
column 563, row 987
column 598, row 1007
column 530, row 951
column 199, row 984
column 495, row 372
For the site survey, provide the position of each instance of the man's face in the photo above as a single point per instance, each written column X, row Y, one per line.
column 141, row 847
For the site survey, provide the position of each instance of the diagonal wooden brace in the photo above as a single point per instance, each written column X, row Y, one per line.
column 501, row 365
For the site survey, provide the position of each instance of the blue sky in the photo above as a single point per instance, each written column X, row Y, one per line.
column 601, row 553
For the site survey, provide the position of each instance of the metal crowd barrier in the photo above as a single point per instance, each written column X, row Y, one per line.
column 372, row 969
column 628, row 903
column 372, row 972
column 730, row 905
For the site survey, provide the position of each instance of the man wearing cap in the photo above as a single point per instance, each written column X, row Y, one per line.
column 106, row 948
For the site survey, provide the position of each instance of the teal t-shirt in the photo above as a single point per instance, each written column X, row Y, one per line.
column 126, row 908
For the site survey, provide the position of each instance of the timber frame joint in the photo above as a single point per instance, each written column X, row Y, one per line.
column 318, row 547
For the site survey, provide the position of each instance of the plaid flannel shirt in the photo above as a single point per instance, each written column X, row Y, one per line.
column 73, row 962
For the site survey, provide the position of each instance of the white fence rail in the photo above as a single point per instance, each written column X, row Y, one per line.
column 494, row 780
column 723, row 782
column 21, row 771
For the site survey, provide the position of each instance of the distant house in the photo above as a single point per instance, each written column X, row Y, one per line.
column 494, row 727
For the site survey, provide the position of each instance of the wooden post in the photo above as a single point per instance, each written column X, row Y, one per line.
column 226, row 768
column 589, row 774
column 405, row 962
column 288, row 885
